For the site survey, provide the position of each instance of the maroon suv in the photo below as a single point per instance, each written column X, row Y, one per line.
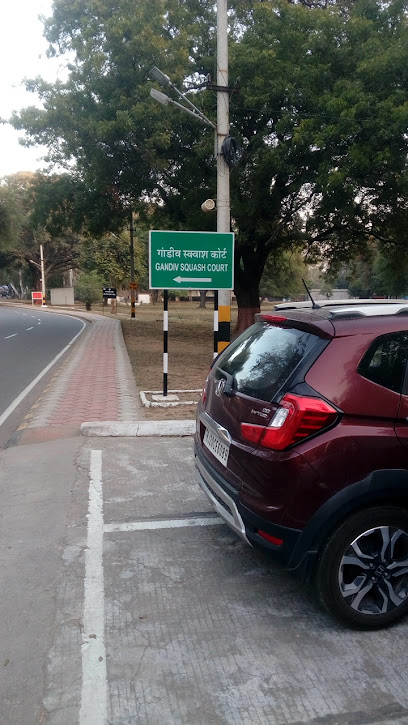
column 302, row 448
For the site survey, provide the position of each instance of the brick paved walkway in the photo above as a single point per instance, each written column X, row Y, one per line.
column 95, row 382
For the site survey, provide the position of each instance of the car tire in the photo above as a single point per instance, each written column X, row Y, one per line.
column 362, row 571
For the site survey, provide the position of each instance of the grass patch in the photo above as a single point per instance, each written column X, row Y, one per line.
column 190, row 346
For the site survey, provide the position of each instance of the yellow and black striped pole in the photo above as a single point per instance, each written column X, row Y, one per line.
column 224, row 320
column 223, row 181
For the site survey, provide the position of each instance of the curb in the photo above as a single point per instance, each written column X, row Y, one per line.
column 166, row 403
column 139, row 428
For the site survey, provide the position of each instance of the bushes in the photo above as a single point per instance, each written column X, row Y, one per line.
column 88, row 288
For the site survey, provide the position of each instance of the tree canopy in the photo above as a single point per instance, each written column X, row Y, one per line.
column 22, row 250
column 320, row 109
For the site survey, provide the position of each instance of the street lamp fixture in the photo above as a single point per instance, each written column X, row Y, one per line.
column 159, row 96
column 160, row 77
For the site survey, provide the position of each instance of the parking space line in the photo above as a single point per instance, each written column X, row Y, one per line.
column 93, row 710
column 163, row 524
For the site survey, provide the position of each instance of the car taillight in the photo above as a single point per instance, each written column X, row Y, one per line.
column 204, row 391
column 297, row 418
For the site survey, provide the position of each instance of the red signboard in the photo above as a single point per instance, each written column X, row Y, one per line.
column 36, row 297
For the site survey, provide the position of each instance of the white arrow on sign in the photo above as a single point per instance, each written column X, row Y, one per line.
column 192, row 279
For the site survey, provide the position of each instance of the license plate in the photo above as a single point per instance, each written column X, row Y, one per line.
column 219, row 449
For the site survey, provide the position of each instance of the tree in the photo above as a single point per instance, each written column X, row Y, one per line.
column 88, row 288
column 282, row 275
column 110, row 258
column 61, row 250
column 325, row 152
column 11, row 218
column 320, row 112
column 390, row 271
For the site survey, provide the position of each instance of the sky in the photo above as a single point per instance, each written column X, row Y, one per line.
column 22, row 55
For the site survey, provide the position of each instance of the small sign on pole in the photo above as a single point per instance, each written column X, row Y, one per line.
column 109, row 292
column 37, row 298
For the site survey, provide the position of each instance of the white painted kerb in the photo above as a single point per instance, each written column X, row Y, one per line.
column 139, row 428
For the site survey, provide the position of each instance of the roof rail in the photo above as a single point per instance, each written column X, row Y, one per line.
column 350, row 311
column 338, row 303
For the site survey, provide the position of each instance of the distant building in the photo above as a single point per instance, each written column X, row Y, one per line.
column 336, row 294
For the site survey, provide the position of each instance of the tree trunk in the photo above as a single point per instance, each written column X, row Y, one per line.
column 249, row 265
column 248, row 306
column 203, row 298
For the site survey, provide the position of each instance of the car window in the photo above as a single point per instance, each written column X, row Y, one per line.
column 385, row 361
column 263, row 357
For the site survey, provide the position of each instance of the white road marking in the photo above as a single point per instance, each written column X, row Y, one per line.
column 94, row 688
column 93, row 710
column 29, row 387
column 13, row 335
column 29, row 328
column 163, row 524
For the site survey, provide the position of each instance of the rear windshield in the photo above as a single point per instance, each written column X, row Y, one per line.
column 263, row 357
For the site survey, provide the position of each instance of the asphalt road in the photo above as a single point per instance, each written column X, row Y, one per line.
column 29, row 341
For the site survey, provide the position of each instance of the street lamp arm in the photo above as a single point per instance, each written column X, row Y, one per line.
column 190, row 103
column 118, row 237
column 35, row 263
column 165, row 82
column 196, row 113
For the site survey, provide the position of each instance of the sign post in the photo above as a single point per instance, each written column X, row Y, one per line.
column 109, row 293
column 37, row 297
column 189, row 260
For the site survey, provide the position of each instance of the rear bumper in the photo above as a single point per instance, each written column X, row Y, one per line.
column 244, row 522
column 221, row 500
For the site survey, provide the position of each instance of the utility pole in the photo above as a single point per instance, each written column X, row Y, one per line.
column 223, row 181
column 222, row 298
column 132, row 267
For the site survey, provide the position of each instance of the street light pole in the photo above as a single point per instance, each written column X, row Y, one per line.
column 222, row 299
column 133, row 283
column 42, row 276
column 223, row 180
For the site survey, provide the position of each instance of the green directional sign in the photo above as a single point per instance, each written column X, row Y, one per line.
column 191, row 260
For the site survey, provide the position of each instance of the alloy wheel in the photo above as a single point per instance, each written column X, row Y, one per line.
column 373, row 572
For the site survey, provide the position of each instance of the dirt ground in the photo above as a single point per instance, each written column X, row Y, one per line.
column 190, row 346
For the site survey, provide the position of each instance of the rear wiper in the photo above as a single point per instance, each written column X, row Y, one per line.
column 230, row 382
